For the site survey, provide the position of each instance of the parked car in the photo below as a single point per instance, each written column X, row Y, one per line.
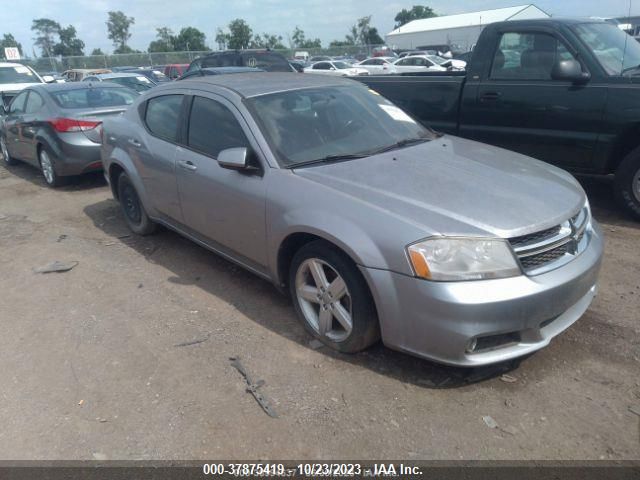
column 297, row 66
column 335, row 68
column 218, row 71
column 560, row 90
column 134, row 81
column 376, row 226
column 378, row 65
column 14, row 77
column 55, row 127
column 320, row 58
column 77, row 74
column 264, row 59
column 175, row 70
column 417, row 64
column 153, row 74
column 51, row 77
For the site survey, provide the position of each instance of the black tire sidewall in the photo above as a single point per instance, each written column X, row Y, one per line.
column 145, row 226
column 624, row 183
column 366, row 329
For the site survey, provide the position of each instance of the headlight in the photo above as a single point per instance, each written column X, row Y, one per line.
column 451, row 259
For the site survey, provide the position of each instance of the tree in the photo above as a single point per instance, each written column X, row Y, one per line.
column 417, row 12
column 340, row 43
column 299, row 40
column 164, row 42
column 267, row 41
column 69, row 45
column 239, row 34
column 190, row 39
column 9, row 41
column 97, row 51
column 222, row 39
column 45, row 30
column 118, row 26
column 373, row 37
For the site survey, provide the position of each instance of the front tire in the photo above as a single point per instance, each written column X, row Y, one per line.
column 627, row 183
column 332, row 298
column 134, row 213
column 8, row 159
column 48, row 168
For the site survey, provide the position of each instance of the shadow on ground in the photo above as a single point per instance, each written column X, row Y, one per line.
column 605, row 209
column 75, row 183
column 185, row 259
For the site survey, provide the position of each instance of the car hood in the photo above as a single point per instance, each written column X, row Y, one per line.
column 452, row 186
column 15, row 87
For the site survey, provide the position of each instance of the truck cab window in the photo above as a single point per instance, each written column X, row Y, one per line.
column 527, row 56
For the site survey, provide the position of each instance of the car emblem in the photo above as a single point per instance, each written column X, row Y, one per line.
column 252, row 62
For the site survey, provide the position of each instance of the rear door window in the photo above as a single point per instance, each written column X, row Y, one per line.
column 18, row 103
column 213, row 128
column 162, row 116
column 34, row 103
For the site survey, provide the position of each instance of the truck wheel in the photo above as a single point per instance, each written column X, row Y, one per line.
column 627, row 183
column 332, row 298
column 132, row 208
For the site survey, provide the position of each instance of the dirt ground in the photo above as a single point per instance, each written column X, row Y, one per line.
column 93, row 361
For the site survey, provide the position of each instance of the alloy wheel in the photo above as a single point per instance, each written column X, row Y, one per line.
column 5, row 151
column 324, row 299
column 47, row 167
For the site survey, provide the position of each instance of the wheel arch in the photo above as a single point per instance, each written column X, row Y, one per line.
column 626, row 143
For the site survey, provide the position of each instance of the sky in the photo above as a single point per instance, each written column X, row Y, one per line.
column 324, row 19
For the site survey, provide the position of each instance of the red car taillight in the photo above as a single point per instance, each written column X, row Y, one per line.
column 72, row 125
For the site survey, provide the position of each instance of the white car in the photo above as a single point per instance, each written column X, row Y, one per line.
column 419, row 63
column 335, row 68
column 378, row 65
column 14, row 77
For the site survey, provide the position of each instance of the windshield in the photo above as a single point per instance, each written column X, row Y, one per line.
column 311, row 124
column 615, row 50
column 436, row 59
column 18, row 74
column 139, row 84
column 341, row 65
column 94, row 97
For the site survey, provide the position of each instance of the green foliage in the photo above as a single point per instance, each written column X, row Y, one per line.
column 240, row 34
column 118, row 25
column 9, row 41
column 45, row 30
column 267, row 40
column 417, row 12
column 97, row 51
column 164, row 42
column 222, row 39
column 69, row 44
column 189, row 39
column 299, row 40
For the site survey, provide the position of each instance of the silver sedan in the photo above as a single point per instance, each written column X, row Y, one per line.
column 376, row 226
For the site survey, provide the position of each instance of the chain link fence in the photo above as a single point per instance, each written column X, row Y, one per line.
column 60, row 64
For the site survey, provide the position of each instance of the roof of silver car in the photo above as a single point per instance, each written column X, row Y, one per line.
column 255, row 84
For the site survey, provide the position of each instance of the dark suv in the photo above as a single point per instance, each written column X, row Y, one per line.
column 263, row 59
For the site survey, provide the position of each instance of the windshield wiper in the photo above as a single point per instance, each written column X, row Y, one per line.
column 629, row 69
column 331, row 158
column 401, row 144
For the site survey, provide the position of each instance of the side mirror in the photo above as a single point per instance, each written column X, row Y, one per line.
column 48, row 79
column 570, row 71
column 235, row 159
column 332, row 68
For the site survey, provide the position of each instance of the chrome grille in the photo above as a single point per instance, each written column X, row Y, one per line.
column 541, row 251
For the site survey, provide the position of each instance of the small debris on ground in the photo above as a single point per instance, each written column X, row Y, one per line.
column 509, row 429
column 61, row 237
column 193, row 342
column 252, row 387
column 80, row 402
column 123, row 236
column 490, row 422
column 56, row 266
column 315, row 344
column 508, row 378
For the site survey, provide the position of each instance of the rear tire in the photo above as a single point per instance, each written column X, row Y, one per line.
column 338, row 310
column 48, row 167
column 8, row 159
column 627, row 183
column 134, row 213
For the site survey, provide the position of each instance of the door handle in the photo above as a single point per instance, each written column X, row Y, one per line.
column 134, row 142
column 490, row 96
column 187, row 164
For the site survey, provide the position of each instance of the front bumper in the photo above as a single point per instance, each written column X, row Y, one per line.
column 513, row 316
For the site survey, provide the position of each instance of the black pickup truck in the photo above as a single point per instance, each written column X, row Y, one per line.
column 563, row 91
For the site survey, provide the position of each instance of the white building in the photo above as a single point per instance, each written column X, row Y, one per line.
column 460, row 32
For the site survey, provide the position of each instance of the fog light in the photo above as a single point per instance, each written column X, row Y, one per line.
column 471, row 346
